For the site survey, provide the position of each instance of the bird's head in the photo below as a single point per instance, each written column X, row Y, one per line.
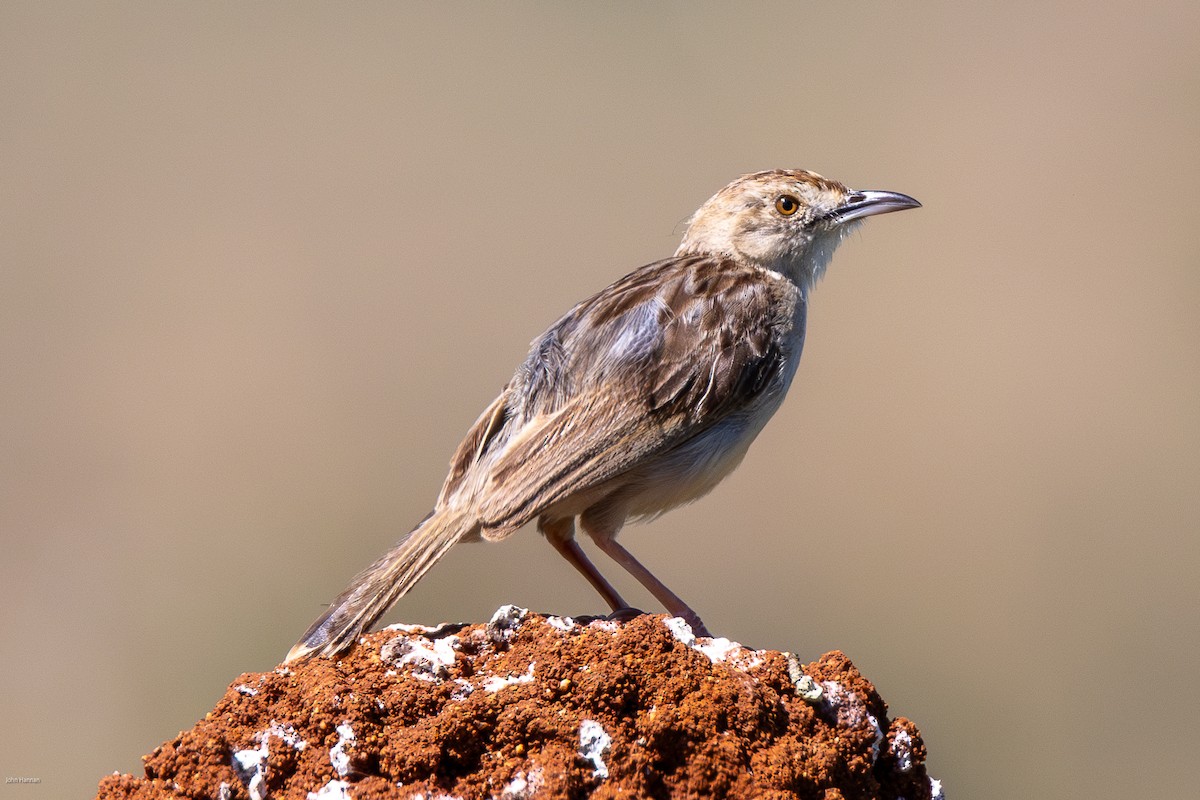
column 789, row 221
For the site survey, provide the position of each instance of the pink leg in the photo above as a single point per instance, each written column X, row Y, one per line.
column 605, row 541
column 561, row 534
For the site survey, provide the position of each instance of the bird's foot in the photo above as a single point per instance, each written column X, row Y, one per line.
column 698, row 627
column 625, row 614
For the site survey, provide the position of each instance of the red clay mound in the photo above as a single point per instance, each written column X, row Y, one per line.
column 532, row 706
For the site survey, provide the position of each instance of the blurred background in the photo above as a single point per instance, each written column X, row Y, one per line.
column 262, row 265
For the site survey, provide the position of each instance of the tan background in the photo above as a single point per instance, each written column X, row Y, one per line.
column 261, row 265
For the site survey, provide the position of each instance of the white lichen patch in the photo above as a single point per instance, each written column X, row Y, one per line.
column 464, row 690
column 496, row 683
column 429, row 660
column 338, row 756
column 852, row 712
column 604, row 625
column 334, row 790
column 428, row 631
column 732, row 653
column 405, row 627
column 251, row 769
column 523, row 786
column 681, row 630
column 251, row 764
column 723, row 650
column 717, row 650
column 564, row 624
column 287, row 734
column 505, row 622
column 879, row 737
column 593, row 743
column 935, row 790
column 249, row 691
column 902, row 750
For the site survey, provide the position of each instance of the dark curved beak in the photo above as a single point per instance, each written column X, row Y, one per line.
column 868, row 203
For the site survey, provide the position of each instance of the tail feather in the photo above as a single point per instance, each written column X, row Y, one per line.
column 374, row 590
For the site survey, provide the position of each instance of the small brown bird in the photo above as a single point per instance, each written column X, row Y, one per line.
column 642, row 398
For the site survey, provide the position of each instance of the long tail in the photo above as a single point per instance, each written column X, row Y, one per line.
column 374, row 590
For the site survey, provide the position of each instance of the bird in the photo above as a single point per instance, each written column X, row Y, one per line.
column 639, row 399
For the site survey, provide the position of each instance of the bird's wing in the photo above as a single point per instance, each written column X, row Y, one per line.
column 643, row 366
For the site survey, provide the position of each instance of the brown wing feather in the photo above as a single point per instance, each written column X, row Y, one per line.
column 481, row 436
column 670, row 351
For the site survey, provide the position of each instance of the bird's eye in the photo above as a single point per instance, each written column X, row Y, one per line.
column 787, row 205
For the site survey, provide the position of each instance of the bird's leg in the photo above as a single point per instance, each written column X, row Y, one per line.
column 561, row 534
column 605, row 539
